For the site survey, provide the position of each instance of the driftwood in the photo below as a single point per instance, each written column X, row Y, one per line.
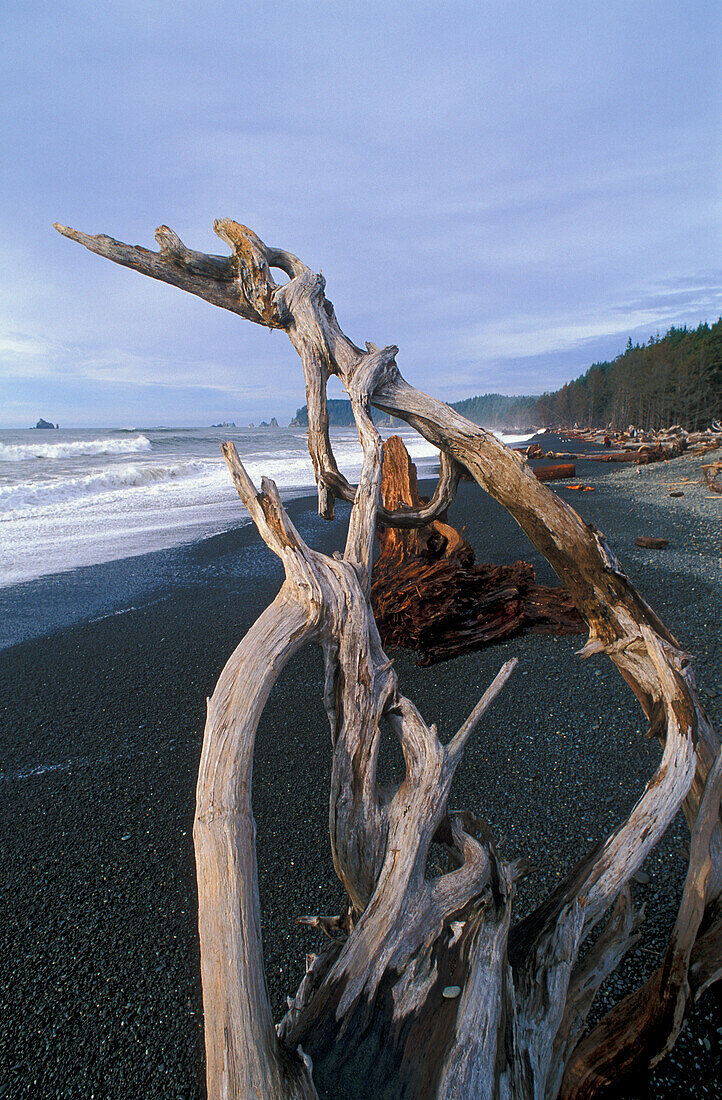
column 659, row 450
column 649, row 542
column 426, row 987
column 713, row 476
column 560, row 471
column 428, row 592
column 580, row 456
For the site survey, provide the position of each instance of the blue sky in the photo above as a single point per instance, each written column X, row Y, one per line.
column 507, row 191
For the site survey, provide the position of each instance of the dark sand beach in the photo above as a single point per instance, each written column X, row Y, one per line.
column 102, row 715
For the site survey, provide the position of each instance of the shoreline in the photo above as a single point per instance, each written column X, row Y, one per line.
column 43, row 605
column 101, row 736
column 85, row 594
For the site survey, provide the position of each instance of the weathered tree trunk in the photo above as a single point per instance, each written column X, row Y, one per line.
column 428, row 592
column 425, row 988
column 713, row 476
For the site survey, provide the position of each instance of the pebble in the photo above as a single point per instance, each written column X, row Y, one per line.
column 451, row 991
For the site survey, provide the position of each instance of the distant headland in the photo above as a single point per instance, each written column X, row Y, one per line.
column 264, row 424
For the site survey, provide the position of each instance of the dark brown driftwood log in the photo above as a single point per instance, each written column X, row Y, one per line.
column 426, row 989
column 649, row 542
column 428, row 592
column 562, row 470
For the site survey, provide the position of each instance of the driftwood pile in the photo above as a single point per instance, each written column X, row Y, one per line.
column 430, row 594
column 637, row 446
column 426, row 987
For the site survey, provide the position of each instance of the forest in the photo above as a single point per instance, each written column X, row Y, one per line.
column 340, row 415
column 499, row 410
column 673, row 379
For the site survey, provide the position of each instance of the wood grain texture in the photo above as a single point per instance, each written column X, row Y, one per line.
column 430, row 594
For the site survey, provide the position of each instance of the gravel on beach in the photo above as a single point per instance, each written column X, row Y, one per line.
column 101, row 727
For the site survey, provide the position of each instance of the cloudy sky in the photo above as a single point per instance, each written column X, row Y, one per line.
column 507, row 191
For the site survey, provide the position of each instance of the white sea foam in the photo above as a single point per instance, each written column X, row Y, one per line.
column 510, row 440
column 26, row 495
column 21, row 452
column 104, row 498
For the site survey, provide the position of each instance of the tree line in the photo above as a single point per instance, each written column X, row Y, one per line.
column 340, row 415
column 499, row 410
column 673, row 379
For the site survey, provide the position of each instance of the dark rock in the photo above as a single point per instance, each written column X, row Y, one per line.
column 45, row 424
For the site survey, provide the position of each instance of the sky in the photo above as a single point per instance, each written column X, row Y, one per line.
column 507, row 191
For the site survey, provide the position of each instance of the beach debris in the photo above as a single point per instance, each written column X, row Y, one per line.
column 581, row 488
column 530, row 981
column 677, row 493
column 649, row 543
column 635, row 446
column 713, row 475
column 430, row 594
column 558, row 472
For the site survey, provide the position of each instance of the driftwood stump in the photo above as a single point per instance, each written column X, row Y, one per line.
column 430, row 594
column 713, row 476
column 426, row 987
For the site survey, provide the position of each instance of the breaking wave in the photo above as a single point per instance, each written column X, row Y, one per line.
column 30, row 494
column 19, row 452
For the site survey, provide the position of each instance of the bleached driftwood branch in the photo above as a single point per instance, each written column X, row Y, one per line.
column 424, row 987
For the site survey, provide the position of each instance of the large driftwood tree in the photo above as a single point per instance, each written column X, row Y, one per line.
column 426, row 987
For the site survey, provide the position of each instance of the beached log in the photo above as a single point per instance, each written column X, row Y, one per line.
column 649, row 542
column 430, row 594
column 560, row 471
column 426, row 987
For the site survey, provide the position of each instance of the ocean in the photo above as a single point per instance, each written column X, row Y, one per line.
column 77, row 498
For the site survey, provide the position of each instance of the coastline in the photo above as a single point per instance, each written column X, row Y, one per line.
column 101, row 736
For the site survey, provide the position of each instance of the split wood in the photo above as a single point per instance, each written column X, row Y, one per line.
column 428, row 592
column 370, row 1017
column 712, row 472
